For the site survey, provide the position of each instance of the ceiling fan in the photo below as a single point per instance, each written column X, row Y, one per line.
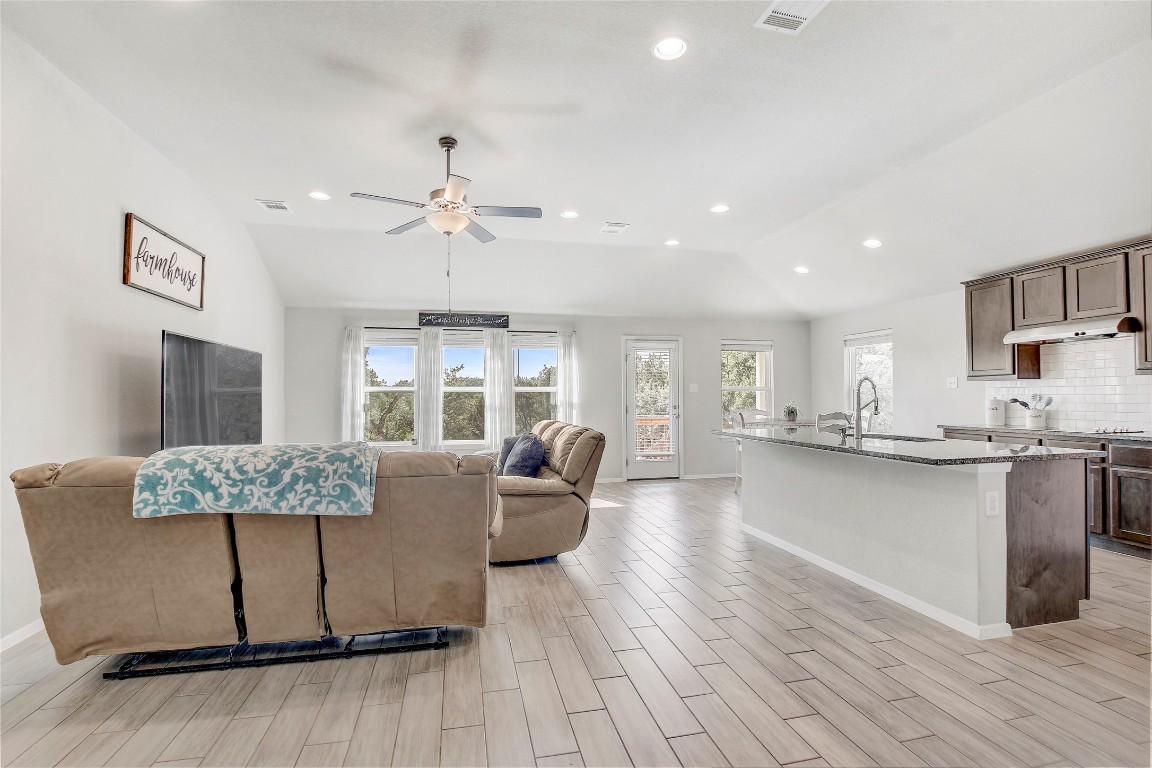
column 449, row 211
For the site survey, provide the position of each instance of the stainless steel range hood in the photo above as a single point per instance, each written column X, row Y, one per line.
column 1075, row 330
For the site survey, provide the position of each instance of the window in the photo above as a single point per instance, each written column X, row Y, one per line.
column 534, row 378
column 390, row 387
column 870, row 354
column 745, row 378
column 464, row 370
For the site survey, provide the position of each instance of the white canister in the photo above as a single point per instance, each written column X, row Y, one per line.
column 994, row 412
column 1034, row 419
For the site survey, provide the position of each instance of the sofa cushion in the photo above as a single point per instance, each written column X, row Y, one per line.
column 547, row 483
column 505, row 449
column 525, row 458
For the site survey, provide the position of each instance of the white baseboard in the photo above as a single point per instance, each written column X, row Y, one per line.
column 707, row 477
column 609, row 480
column 20, row 635
column 978, row 631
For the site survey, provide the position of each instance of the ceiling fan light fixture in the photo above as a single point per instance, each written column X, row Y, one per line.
column 670, row 48
column 447, row 222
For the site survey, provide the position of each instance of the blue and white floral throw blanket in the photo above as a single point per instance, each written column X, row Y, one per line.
column 329, row 479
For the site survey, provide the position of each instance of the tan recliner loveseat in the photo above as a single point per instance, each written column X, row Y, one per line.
column 111, row 583
column 548, row 514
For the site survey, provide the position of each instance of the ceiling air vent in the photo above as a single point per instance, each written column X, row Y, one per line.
column 613, row 227
column 275, row 205
column 790, row 16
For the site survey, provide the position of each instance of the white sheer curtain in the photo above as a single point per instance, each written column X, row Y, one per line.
column 568, row 375
column 499, row 397
column 429, row 390
column 352, row 385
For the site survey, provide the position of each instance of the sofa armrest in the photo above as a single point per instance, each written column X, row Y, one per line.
column 533, row 486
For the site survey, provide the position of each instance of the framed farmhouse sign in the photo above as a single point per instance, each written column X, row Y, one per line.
column 462, row 320
column 156, row 262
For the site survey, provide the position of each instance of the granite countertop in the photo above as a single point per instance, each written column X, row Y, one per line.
column 1136, row 437
column 933, row 451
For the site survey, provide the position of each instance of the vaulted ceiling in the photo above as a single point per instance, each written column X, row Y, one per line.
column 968, row 137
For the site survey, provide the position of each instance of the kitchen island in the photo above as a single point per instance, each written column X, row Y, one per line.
column 982, row 537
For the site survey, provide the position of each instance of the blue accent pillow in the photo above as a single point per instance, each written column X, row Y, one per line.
column 525, row 458
column 505, row 449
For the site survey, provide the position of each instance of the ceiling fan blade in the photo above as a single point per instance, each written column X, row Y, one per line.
column 363, row 196
column 405, row 227
column 479, row 232
column 497, row 210
column 456, row 187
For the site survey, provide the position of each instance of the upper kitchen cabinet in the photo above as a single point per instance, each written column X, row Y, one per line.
column 1039, row 297
column 1140, row 285
column 988, row 310
column 1097, row 287
column 1113, row 282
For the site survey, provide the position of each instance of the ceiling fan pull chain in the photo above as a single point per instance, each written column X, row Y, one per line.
column 449, row 274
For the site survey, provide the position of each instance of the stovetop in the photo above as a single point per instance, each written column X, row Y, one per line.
column 1116, row 431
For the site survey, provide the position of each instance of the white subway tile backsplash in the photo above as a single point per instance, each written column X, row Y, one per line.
column 1092, row 384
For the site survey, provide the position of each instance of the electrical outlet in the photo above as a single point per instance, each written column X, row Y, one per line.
column 992, row 503
column 693, row 387
column 951, row 382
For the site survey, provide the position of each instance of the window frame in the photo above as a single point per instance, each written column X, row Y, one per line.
column 852, row 342
column 768, row 389
column 394, row 338
column 518, row 340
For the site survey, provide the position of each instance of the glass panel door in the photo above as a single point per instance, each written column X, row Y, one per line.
column 652, row 408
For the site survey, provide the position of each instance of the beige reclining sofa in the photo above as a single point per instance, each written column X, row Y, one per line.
column 548, row 514
column 111, row 583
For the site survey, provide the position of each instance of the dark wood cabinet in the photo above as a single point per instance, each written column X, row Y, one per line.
column 1038, row 297
column 1130, row 494
column 1097, row 498
column 1015, row 439
column 1097, row 480
column 988, row 312
column 1140, row 287
column 951, row 434
column 1097, row 287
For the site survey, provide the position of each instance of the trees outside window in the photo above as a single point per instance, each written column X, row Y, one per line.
column 534, row 384
column 463, row 394
column 871, row 355
column 390, row 393
column 745, row 379
column 392, row 384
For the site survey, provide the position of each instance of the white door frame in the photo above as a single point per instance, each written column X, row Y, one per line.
column 678, row 373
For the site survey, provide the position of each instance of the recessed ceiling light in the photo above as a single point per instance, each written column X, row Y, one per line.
column 319, row 195
column 721, row 208
column 569, row 214
column 670, row 48
column 872, row 243
column 800, row 270
column 671, row 243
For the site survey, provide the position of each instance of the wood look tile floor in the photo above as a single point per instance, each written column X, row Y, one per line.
column 669, row 638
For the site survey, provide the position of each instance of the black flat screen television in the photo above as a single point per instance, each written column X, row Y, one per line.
column 211, row 393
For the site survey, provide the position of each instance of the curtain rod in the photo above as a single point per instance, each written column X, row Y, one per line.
column 393, row 328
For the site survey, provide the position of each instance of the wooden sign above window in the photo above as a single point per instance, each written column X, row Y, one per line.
column 462, row 320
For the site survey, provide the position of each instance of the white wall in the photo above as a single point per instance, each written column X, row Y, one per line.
column 928, row 346
column 80, row 373
column 312, row 373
